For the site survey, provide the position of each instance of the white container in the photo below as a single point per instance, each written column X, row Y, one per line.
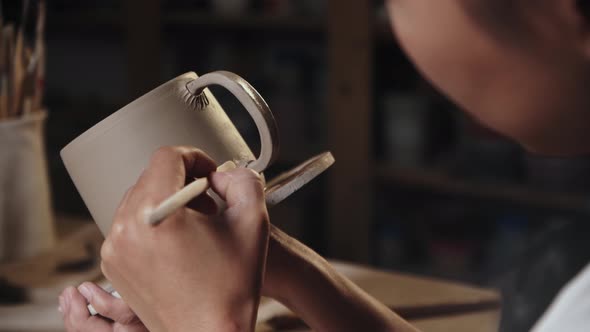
column 26, row 220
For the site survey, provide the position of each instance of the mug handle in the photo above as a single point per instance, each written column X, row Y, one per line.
column 254, row 104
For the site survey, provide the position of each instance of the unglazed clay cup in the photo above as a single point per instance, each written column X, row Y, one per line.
column 108, row 158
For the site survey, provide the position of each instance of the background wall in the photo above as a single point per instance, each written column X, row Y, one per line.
column 417, row 186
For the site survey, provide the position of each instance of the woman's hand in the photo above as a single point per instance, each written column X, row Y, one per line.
column 196, row 272
column 193, row 271
column 115, row 315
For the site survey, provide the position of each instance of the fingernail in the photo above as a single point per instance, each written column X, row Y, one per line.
column 85, row 291
column 222, row 175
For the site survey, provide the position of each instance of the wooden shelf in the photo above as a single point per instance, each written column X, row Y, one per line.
column 83, row 18
column 196, row 20
column 263, row 23
column 437, row 181
column 255, row 22
column 100, row 25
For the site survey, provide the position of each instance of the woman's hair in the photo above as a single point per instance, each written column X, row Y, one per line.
column 584, row 8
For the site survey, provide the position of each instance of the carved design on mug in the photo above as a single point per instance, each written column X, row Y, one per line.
column 198, row 100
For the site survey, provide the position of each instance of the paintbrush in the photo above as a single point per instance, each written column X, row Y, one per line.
column 6, row 75
column 30, row 27
column 3, row 110
column 19, row 67
column 39, row 84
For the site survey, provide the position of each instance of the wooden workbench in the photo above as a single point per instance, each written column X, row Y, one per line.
column 432, row 305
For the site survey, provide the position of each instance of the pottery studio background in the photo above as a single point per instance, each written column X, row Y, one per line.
column 417, row 186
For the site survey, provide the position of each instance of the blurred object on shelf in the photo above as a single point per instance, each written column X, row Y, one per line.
column 559, row 174
column 26, row 221
column 404, row 127
column 230, row 7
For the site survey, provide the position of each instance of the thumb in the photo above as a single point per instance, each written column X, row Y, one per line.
column 243, row 191
column 107, row 305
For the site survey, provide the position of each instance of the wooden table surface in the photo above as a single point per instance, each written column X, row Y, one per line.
column 430, row 304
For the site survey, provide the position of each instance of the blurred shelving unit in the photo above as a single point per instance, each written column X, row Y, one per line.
column 350, row 40
column 437, row 181
column 269, row 26
column 264, row 24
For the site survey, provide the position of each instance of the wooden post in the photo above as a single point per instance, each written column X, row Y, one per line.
column 143, row 29
column 350, row 51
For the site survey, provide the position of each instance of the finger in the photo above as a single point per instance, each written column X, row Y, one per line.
column 107, row 305
column 76, row 315
column 124, row 199
column 243, row 191
column 168, row 169
column 122, row 205
column 204, row 204
column 238, row 186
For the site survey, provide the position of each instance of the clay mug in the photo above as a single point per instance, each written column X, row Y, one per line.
column 108, row 158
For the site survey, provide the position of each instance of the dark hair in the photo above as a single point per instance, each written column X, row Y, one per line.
column 584, row 7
